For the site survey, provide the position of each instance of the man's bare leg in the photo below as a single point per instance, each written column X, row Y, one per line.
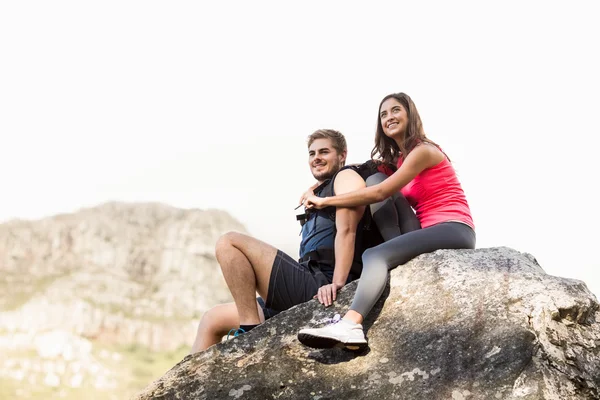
column 215, row 324
column 246, row 263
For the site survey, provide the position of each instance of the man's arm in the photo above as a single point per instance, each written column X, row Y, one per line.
column 346, row 222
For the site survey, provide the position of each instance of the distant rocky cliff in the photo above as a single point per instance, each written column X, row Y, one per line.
column 454, row 324
column 117, row 274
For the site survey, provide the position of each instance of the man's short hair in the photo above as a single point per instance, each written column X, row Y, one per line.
column 338, row 141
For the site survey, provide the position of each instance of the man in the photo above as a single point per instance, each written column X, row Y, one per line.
column 251, row 266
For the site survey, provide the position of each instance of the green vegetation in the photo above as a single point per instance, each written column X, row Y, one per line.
column 134, row 368
column 16, row 291
column 145, row 366
column 10, row 389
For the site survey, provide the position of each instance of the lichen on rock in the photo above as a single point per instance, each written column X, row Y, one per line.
column 453, row 324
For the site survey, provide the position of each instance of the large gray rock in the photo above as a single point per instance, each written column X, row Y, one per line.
column 454, row 324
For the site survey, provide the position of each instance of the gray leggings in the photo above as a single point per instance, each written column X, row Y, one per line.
column 404, row 240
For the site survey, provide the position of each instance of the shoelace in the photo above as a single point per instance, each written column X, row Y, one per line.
column 236, row 332
column 336, row 318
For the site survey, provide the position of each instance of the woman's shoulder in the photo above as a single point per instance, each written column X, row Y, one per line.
column 431, row 151
column 429, row 146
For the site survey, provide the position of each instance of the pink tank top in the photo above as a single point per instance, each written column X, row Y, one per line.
column 437, row 196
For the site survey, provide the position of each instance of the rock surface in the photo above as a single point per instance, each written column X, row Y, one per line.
column 454, row 324
column 77, row 290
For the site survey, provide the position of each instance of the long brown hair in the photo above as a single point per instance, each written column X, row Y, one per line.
column 388, row 150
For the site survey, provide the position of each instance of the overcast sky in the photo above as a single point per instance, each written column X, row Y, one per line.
column 208, row 105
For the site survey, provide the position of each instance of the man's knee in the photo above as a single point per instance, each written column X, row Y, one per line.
column 208, row 319
column 218, row 319
column 226, row 242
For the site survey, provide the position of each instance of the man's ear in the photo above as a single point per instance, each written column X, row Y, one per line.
column 343, row 156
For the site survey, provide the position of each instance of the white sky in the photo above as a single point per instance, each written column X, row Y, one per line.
column 208, row 105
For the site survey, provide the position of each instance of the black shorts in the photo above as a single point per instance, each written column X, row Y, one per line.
column 267, row 312
column 292, row 283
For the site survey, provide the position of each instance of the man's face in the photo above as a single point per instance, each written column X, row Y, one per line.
column 324, row 161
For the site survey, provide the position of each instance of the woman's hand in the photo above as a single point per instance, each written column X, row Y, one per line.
column 314, row 202
column 327, row 294
column 308, row 193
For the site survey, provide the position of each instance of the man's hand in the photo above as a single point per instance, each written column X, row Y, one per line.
column 314, row 202
column 328, row 293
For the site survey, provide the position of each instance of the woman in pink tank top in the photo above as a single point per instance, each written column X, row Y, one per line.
column 425, row 182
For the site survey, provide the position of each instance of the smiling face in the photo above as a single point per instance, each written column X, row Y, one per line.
column 324, row 160
column 394, row 119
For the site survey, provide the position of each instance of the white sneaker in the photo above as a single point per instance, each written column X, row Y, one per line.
column 343, row 334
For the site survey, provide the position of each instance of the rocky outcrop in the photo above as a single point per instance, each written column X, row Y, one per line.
column 454, row 324
column 120, row 275
column 114, row 272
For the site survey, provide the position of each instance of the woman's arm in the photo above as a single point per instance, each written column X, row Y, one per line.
column 422, row 157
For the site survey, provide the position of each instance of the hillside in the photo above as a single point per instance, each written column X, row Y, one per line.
column 104, row 299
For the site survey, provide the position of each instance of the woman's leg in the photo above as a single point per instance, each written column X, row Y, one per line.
column 408, row 220
column 393, row 216
column 384, row 213
column 378, row 260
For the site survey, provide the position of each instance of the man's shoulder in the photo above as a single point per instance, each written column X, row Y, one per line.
column 348, row 180
column 348, row 172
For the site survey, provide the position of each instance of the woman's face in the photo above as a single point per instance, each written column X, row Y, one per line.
column 394, row 118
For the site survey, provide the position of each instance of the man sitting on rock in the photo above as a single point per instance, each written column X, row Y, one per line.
column 251, row 266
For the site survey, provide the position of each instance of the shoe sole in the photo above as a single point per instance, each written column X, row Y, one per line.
column 318, row 342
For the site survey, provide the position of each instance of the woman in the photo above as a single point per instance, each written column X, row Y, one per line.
column 426, row 178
